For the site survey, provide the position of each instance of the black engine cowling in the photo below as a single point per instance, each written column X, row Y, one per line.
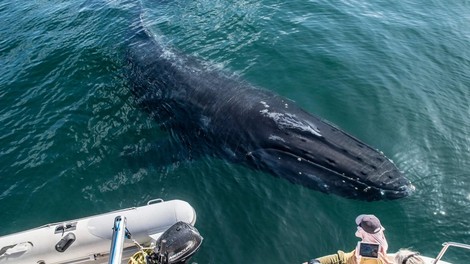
column 178, row 244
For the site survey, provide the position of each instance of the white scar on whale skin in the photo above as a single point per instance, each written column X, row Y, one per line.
column 276, row 138
column 264, row 104
column 290, row 121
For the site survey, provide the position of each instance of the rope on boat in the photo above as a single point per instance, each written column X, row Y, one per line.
column 140, row 257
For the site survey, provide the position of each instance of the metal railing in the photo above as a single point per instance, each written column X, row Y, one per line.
column 446, row 245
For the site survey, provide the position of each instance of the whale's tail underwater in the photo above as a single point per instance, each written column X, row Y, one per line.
column 216, row 112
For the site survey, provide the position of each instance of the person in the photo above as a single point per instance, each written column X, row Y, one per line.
column 369, row 230
column 406, row 256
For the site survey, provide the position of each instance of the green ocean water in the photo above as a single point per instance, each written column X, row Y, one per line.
column 395, row 74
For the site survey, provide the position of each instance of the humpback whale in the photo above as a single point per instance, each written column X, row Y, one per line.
column 212, row 111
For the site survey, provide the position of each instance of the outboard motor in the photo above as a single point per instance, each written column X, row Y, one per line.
column 177, row 244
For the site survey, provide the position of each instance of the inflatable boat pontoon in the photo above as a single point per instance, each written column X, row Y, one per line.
column 89, row 240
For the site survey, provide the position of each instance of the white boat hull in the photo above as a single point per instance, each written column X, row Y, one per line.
column 93, row 235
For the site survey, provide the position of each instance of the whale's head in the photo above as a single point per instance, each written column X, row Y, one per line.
column 307, row 150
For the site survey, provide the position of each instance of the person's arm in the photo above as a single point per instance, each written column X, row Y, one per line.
column 338, row 258
column 385, row 259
